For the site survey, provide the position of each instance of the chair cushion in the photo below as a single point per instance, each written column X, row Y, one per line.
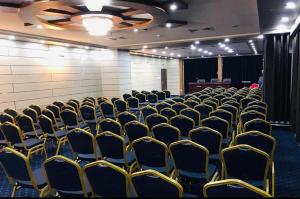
column 39, row 177
column 29, row 143
column 87, row 157
column 161, row 169
column 211, row 171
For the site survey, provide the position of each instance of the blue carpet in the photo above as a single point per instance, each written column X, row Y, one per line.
column 287, row 168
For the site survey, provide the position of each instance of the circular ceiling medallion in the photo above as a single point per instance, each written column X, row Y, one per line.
column 68, row 15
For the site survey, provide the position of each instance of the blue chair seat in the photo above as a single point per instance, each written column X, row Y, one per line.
column 39, row 177
column 129, row 155
column 29, row 143
column 59, row 133
column 214, row 156
column 202, row 175
column 2, row 142
column 256, row 183
column 32, row 133
column 87, row 157
column 134, row 109
column 161, row 169
column 60, row 124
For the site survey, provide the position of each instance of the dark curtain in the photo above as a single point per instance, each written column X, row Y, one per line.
column 277, row 76
column 295, row 91
column 205, row 68
column 242, row 68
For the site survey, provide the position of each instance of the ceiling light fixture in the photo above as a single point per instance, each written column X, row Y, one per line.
column 260, row 37
column 227, row 40
column 87, row 47
column 193, row 47
column 163, row 52
column 96, row 5
column 145, row 46
column 11, row 37
column 290, row 5
column 205, row 52
column 237, row 54
column 97, row 25
column 168, row 25
column 154, row 50
column 197, row 42
column 67, row 45
column 135, row 30
column 171, row 54
column 210, row 53
column 200, row 50
column 166, row 47
column 173, row 7
column 42, row 41
column 285, row 19
column 179, row 55
column 250, row 41
column 39, row 27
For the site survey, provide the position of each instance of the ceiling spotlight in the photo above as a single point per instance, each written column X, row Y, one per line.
column 179, row 55
column 67, row 45
column 227, row 40
column 87, row 47
column 39, row 27
column 154, row 50
column 200, row 50
column 187, row 57
column 202, row 56
column 210, row 53
column 42, row 41
column 205, row 52
column 290, row 5
column 163, row 52
column 197, row 42
column 222, row 45
column 145, row 46
column 226, row 48
column 193, row 47
column 168, row 25
column 135, row 30
column 171, row 54
column 237, row 54
column 260, row 37
column 250, row 41
column 173, row 7
column 166, row 47
column 285, row 19
column 11, row 37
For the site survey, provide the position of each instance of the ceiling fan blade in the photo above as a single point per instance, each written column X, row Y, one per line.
column 81, row 8
column 136, row 19
column 131, row 11
column 57, row 11
column 59, row 20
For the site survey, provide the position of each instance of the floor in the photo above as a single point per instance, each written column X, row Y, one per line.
column 287, row 169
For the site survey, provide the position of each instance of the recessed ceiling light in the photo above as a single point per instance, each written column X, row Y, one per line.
column 163, row 52
column 260, row 37
column 237, row 54
column 173, row 7
column 11, row 37
column 226, row 48
column 172, row 54
column 227, row 40
column 210, row 53
column 168, row 25
column 135, row 30
column 222, row 45
column 200, row 50
column 179, row 55
column 87, row 47
column 67, row 45
column 202, row 56
column 143, row 49
column 187, row 57
column 205, row 52
column 290, row 5
column 145, row 46
column 197, row 42
column 250, row 41
column 193, row 47
column 166, row 47
column 42, row 41
column 154, row 50
column 39, row 27
column 285, row 19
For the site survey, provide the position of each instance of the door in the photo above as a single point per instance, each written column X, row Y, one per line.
column 164, row 80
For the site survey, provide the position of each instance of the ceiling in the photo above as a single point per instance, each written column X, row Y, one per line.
column 207, row 21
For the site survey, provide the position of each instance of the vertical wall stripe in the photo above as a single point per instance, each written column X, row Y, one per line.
column 181, row 72
column 220, row 68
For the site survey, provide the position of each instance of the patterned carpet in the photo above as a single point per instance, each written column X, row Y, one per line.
column 287, row 169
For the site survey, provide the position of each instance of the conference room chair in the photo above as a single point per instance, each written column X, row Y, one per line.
column 74, row 105
column 101, row 99
column 152, row 154
column 204, row 110
column 213, row 99
column 59, row 104
column 134, row 92
column 168, row 94
column 27, row 127
column 210, row 139
column 135, row 130
column 15, row 139
column 75, row 101
column 260, row 125
column 193, row 114
column 54, row 134
column 191, row 103
column 87, row 102
column 126, row 96
column 68, row 107
column 126, row 117
column 256, row 108
column 202, row 97
column 152, row 99
column 255, row 96
column 88, row 114
column 161, row 96
column 145, row 92
column 82, row 144
column 228, row 94
column 170, row 101
column 111, row 126
column 4, row 117
column 238, row 97
column 233, row 188
column 108, row 180
column 3, row 142
column 155, row 119
column 247, row 116
column 162, row 105
column 107, row 110
column 226, row 99
column 20, row 173
column 235, row 104
column 245, row 101
column 184, row 124
column 11, row 112
column 178, row 99
column 151, row 183
column 65, row 178
column 113, row 99
column 219, row 97
column 253, row 168
column 220, row 125
column 133, row 104
column 195, row 98
column 142, row 99
column 211, row 103
column 70, row 120
column 33, row 115
column 231, row 109
column 166, row 133
column 223, row 114
column 179, row 106
column 191, row 163
column 120, row 106
column 37, row 108
column 154, row 91
column 188, row 96
column 113, row 149
column 148, row 110
column 50, row 114
column 168, row 113
column 55, row 110
column 258, row 103
column 91, row 99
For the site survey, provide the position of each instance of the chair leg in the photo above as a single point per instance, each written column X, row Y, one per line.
column 14, row 191
column 58, row 148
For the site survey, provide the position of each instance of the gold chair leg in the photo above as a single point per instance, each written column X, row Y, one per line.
column 14, row 191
